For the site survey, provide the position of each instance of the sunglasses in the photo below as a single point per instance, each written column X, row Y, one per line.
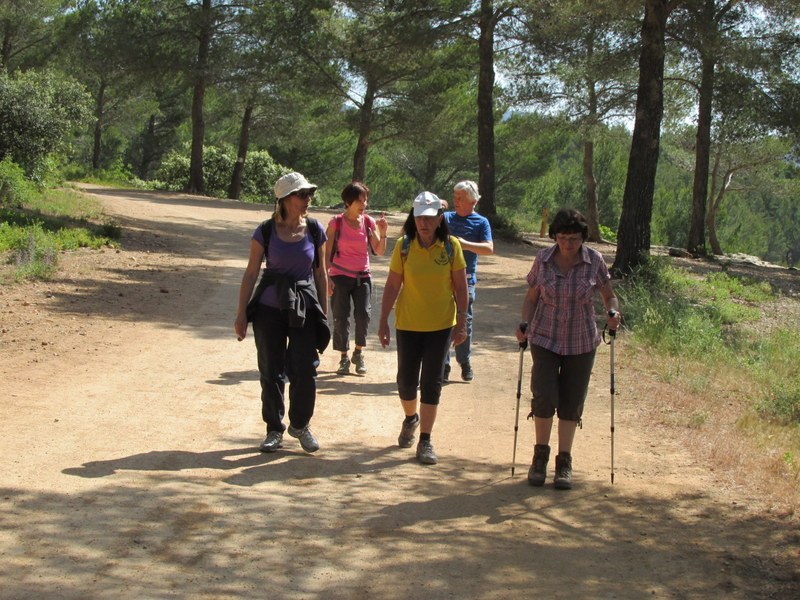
column 305, row 194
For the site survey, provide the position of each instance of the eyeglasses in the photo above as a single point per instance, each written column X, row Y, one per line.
column 305, row 194
column 569, row 239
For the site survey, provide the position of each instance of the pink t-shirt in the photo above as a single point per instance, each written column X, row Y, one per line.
column 351, row 253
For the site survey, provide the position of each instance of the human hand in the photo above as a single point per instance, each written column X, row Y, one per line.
column 384, row 334
column 614, row 319
column 240, row 326
column 383, row 224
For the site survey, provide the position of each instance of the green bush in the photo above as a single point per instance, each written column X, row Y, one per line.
column 258, row 178
column 15, row 189
column 38, row 113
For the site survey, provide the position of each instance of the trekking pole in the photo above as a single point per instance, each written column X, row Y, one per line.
column 613, row 335
column 522, row 345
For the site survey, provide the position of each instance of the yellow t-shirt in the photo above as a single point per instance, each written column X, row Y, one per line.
column 426, row 301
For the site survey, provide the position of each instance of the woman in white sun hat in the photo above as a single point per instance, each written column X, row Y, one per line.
column 288, row 309
column 427, row 279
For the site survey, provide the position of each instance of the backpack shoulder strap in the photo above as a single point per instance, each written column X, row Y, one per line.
column 315, row 228
column 267, row 227
column 337, row 226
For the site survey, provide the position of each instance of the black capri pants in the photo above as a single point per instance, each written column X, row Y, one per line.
column 560, row 383
column 420, row 363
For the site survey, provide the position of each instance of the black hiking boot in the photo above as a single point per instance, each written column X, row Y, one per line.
column 563, row 478
column 538, row 471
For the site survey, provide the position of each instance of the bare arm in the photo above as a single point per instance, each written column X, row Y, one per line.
column 378, row 237
column 459, row 279
column 528, row 309
column 246, row 288
column 330, row 232
column 390, row 292
column 480, row 248
column 321, row 279
column 611, row 303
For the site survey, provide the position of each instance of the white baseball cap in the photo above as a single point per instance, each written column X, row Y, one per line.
column 427, row 204
column 291, row 183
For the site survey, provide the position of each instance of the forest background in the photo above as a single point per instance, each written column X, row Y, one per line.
column 540, row 102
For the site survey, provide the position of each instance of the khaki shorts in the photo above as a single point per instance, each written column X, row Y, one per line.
column 559, row 383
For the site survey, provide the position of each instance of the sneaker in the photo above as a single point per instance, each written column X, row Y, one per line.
column 272, row 442
column 466, row 372
column 358, row 361
column 407, row 437
column 307, row 439
column 425, row 453
column 563, row 478
column 446, row 373
column 344, row 366
column 538, row 471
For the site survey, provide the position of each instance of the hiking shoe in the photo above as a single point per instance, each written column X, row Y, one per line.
column 466, row 372
column 538, row 471
column 407, row 437
column 272, row 442
column 425, row 453
column 307, row 439
column 563, row 478
column 358, row 361
column 344, row 366
column 446, row 373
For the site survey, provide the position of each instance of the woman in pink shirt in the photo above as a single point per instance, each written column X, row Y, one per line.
column 350, row 237
column 558, row 320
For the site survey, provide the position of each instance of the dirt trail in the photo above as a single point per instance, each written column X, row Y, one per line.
column 129, row 464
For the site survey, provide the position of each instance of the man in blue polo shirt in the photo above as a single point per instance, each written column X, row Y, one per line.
column 475, row 235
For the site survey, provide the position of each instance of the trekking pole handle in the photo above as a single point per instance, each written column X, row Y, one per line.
column 523, row 327
column 612, row 313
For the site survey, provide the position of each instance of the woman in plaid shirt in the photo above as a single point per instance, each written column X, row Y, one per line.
column 558, row 320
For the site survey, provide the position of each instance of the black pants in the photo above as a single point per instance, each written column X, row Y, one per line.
column 285, row 353
column 420, row 362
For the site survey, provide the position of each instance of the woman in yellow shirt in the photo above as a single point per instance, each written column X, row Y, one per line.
column 427, row 279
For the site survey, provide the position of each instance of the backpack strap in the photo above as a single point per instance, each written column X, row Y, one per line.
column 448, row 246
column 337, row 226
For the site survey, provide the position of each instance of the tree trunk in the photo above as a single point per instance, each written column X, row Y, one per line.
column 99, row 109
column 148, row 144
column 711, row 223
column 713, row 209
column 6, row 47
column 196, row 184
column 696, row 243
column 590, row 181
column 364, row 132
column 592, row 218
column 235, row 189
column 486, row 162
column 633, row 236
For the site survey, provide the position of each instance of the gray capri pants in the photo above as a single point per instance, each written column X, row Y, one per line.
column 559, row 383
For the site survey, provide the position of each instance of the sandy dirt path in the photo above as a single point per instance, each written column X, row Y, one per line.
column 129, row 465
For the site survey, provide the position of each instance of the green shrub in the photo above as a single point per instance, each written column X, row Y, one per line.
column 15, row 189
column 608, row 234
column 258, row 178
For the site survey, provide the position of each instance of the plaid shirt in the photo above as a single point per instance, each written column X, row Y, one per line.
column 564, row 320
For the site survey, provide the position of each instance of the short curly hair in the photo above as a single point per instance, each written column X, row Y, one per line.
column 568, row 220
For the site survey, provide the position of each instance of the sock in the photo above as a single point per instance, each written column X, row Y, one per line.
column 356, row 351
column 424, row 437
column 413, row 418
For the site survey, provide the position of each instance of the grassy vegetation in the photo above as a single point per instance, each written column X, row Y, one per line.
column 709, row 338
column 36, row 225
